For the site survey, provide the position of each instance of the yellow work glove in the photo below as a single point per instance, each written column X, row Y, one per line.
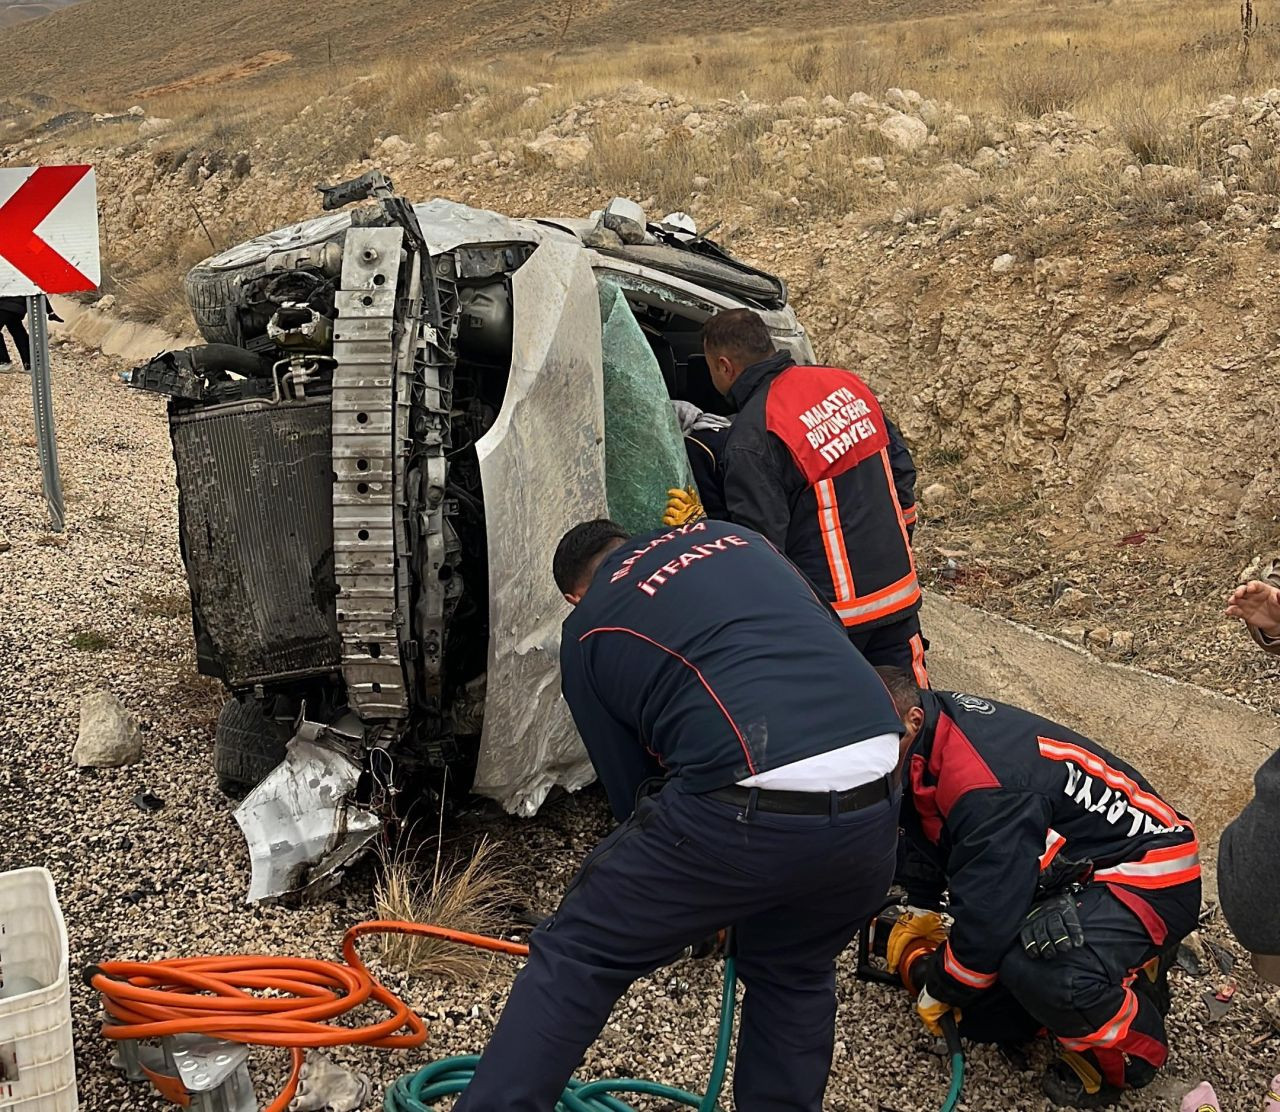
column 913, row 925
column 931, row 1011
column 683, row 506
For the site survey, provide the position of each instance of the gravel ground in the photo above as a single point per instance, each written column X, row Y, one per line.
column 106, row 606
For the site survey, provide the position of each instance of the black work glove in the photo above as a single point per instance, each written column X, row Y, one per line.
column 1052, row 927
column 1062, row 873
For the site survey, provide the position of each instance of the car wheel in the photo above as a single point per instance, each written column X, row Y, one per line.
column 215, row 287
column 214, row 298
column 247, row 746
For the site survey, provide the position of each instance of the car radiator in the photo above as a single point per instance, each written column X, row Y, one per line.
column 256, row 523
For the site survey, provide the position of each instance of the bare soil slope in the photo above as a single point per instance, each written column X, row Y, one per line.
column 122, row 47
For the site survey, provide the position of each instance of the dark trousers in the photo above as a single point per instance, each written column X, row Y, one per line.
column 1090, row 999
column 897, row 645
column 795, row 888
column 16, row 329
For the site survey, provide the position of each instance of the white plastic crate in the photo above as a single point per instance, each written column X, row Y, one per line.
column 37, row 1062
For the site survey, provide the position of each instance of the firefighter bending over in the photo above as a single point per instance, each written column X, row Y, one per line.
column 1072, row 883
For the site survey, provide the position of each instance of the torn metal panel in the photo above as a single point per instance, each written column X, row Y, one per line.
column 301, row 823
column 542, row 467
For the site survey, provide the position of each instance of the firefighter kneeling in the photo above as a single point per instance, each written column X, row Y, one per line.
column 1071, row 884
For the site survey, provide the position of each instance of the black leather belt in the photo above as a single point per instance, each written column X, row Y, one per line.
column 807, row 803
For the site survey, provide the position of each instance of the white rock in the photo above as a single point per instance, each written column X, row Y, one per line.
column 563, row 154
column 793, row 105
column 105, row 304
column 864, row 102
column 832, row 104
column 1073, row 601
column 870, row 165
column 1003, row 264
column 433, row 143
column 904, row 132
column 700, row 182
column 824, row 125
column 1240, row 151
column 904, row 100
column 138, row 111
column 936, row 496
column 930, row 112
column 393, row 146
column 109, row 737
column 693, row 121
column 153, row 125
column 985, row 158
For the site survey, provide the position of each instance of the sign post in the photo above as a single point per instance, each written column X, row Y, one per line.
column 42, row 405
column 48, row 244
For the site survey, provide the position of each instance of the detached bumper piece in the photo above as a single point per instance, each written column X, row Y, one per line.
column 302, row 823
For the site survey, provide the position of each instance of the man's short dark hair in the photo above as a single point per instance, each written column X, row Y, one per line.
column 739, row 332
column 902, row 686
column 578, row 547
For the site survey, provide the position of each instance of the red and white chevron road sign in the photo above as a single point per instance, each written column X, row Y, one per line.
column 48, row 230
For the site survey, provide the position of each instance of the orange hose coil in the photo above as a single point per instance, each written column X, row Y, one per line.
column 215, row 996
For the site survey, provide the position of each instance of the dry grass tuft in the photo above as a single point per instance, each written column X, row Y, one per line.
column 472, row 894
column 808, row 64
column 1036, row 83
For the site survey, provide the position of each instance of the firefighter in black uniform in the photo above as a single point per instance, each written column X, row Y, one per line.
column 813, row 464
column 1072, row 883
column 699, row 655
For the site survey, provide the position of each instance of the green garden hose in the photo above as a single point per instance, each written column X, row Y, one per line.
column 414, row 1092
column 952, row 1034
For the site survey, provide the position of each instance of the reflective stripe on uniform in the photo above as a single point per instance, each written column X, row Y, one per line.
column 1111, row 1033
column 1118, row 781
column 886, row 601
column 917, row 661
column 1161, row 868
column 1053, row 843
column 963, row 973
column 833, row 540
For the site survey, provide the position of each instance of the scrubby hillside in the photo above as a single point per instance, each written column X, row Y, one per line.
column 130, row 47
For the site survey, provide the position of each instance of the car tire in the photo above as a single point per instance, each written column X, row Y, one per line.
column 213, row 297
column 247, row 746
column 213, row 287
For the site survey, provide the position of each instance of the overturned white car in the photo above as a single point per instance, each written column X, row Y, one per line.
column 399, row 410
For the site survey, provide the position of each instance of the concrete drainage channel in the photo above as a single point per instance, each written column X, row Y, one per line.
column 1200, row 747
column 112, row 335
